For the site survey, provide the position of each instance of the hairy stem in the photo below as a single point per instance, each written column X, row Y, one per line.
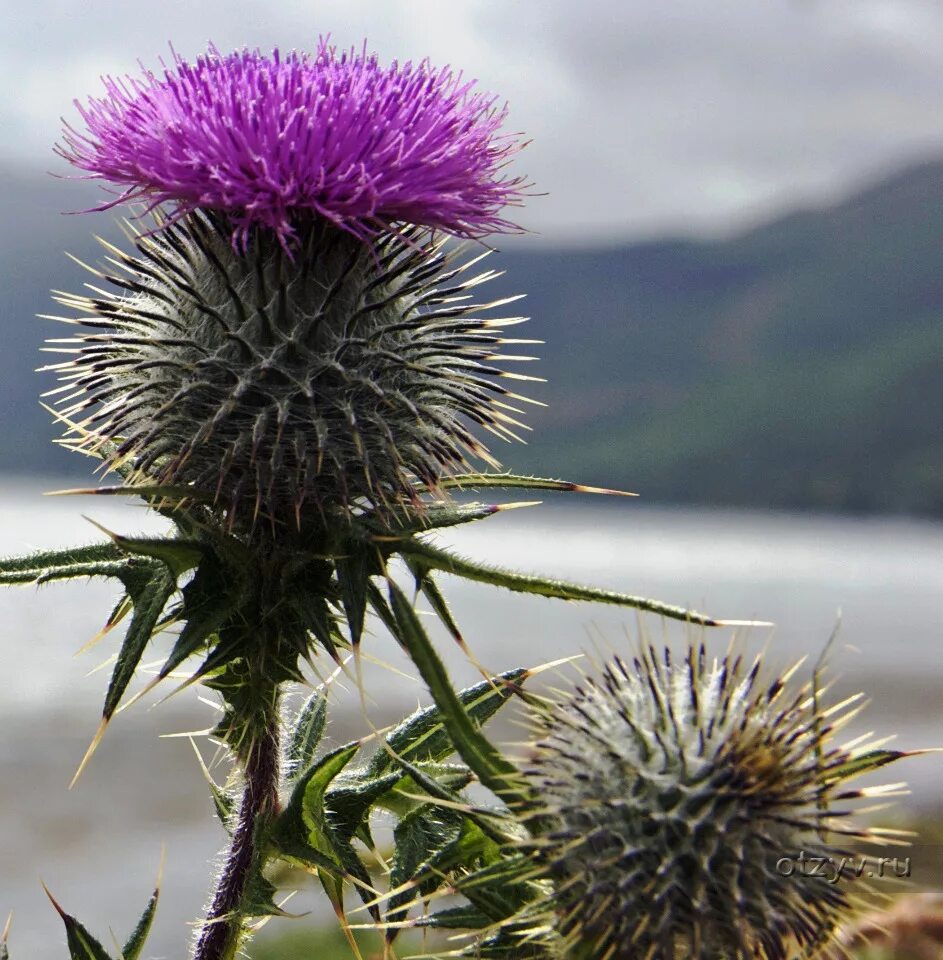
column 223, row 926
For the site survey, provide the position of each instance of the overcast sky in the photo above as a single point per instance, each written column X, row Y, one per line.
column 646, row 115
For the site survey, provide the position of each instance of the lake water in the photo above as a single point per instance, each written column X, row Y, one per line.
column 98, row 846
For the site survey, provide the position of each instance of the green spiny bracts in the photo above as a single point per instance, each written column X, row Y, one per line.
column 285, row 386
column 667, row 797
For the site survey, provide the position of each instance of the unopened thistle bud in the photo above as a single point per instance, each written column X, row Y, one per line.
column 291, row 335
column 668, row 796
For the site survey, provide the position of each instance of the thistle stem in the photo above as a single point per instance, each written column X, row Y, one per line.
column 223, row 926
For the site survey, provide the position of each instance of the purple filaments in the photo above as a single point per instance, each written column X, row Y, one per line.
column 268, row 138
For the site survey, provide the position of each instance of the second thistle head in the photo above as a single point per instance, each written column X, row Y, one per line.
column 667, row 795
column 292, row 338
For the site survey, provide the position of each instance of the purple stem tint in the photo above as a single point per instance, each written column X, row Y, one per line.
column 260, row 802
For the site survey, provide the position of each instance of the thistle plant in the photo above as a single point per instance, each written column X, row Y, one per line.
column 292, row 366
column 290, row 362
column 673, row 808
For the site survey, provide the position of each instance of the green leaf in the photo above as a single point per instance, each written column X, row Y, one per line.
column 511, row 481
column 355, row 870
column 224, row 804
column 82, row 945
column 542, row 586
column 380, row 607
column 437, row 515
column 449, row 778
column 157, row 492
column 313, row 786
column 503, row 888
column 322, row 623
column 527, row 938
column 352, row 795
column 132, row 949
column 299, row 830
column 420, row 841
column 455, row 918
column 423, row 735
column 150, row 586
column 259, row 897
column 306, row 734
column 513, row 872
column 96, row 560
column 209, row 599
column 490, row 824
column 432, row 593
column 316, row 814
column 865, row 763
column 360, row 561
column 495, row 772
column 180, row 555
column 353, row 575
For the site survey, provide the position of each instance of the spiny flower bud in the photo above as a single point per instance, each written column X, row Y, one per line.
column 292, row 333
column 667, row 796
column 339, row 377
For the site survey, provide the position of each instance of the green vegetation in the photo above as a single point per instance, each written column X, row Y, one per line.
column 797, row 365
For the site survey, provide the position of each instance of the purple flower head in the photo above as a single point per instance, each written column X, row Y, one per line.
column 267, row 139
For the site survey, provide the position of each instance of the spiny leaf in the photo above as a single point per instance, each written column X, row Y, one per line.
column 132, row 949
column 508, row 871
column 82, row 945
column 455, row 918
column 298, row 830
column 323, row 625
column 438, row 788
column 436, row 515
column 866, row 762
column 511, row 481
column 527, row 938
column 323, row 836
column 494, row 771
column 450, row 778
column 355, row 870
column 432, row 593
column 223, row 801
column 502, row 887
column 380, row 607
column 180, row 555
column 353, row 574
column 150, row 587
column 420, row 840
column 96, row 560
column 306, row 734
column 224, row 805
column 352, row 795
column 208, row 600
column 545, row 587
column 304, row 833
column 147, row 491
column 423, row 735
column 259, row 897
column 313, row 786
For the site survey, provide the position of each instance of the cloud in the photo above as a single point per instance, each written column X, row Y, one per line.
column 645, row 116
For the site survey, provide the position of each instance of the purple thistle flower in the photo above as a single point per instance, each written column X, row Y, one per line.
column 268, row 139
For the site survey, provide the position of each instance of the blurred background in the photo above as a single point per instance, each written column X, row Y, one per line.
column 736, row 262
